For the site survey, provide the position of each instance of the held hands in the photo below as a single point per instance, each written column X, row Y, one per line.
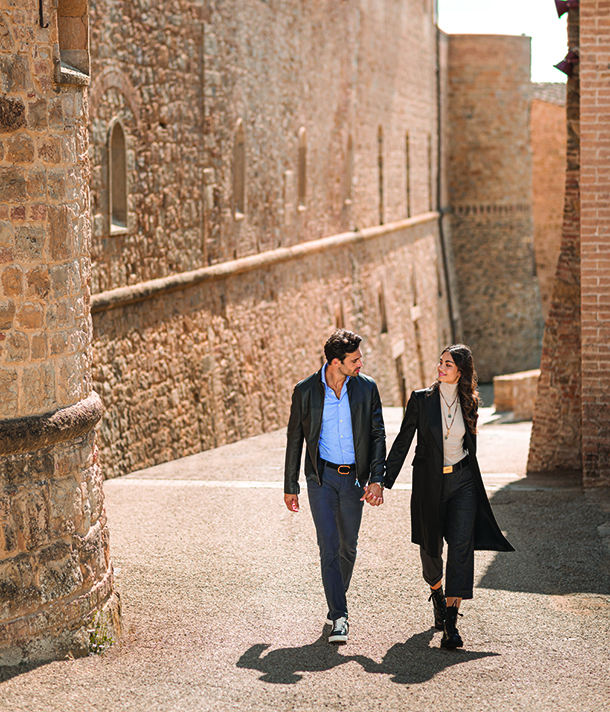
column 292, row 502
column 373, row 494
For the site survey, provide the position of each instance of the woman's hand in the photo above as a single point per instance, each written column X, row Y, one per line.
column 373, row 494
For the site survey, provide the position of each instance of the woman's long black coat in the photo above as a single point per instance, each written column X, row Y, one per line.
column 424, row 415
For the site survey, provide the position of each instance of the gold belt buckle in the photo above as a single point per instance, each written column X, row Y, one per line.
column 448, row 470
column 339, row 470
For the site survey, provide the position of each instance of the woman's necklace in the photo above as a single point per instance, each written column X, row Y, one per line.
column 451, row 419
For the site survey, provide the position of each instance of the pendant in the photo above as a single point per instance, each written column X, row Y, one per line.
column 446, row 437
column 449, row 415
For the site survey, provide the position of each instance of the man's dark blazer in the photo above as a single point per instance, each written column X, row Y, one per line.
column 424, row 415
column 305, row 423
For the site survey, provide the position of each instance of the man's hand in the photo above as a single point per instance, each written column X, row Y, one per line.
column 292, row 502
column 373, row 494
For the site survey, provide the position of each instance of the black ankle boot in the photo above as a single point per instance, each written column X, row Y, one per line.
column 440, row 607
column 451, row 637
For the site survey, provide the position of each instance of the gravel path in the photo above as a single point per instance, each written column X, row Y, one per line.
column 223, row 606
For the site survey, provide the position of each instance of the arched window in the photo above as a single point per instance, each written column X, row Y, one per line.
column 302, row 170
column 380, row 165
column 117, row 178
column 349, row 170
column 73, row 35
column 239, row 172
column 408, row 170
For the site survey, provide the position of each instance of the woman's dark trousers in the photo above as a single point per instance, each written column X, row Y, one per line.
column 457, row 515
column 337, row 512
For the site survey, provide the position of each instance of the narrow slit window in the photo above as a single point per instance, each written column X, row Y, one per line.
column 430, row 175
column 302, row 170
column 349, row 171
column 117, row 178
column 382, row 311
column 239, row 172
column 408, row 176
column 73, row 35
column 380, row 167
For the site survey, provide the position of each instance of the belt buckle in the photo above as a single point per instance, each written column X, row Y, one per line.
column 339, row 470
column 448, row 470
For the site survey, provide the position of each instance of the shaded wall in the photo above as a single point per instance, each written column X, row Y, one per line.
column 556, row 430
column 548, row 131
column 490, row 193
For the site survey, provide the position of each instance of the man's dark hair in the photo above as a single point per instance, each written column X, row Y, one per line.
column 341, row 343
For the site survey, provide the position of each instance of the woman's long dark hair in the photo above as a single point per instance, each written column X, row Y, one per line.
column 467, row 385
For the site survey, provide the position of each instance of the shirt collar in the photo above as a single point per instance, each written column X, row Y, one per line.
column 324, row 377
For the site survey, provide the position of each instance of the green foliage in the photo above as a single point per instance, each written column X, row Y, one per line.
column 99, row 638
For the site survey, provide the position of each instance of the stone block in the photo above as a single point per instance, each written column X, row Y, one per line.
column 30, row 316
column 59, row 572
column 8, row 392
column 36, row 184
column 58, row 343
column 61, row 237
column 30, row 242
column 38, row 347
column 7, row 314
column 29, row 509
column 60, row 280
column 49, row 150
column 38, row 388
column 19, row 592
column 12, row 114
column 12, row 185
column 65, row 507
column 19, row 149
column 7, row 234
column 516, row 392
column 12, row 281
column 37, row 115
column 17, row 346
column 38, row 282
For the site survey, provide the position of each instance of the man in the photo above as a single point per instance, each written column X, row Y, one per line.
column 338, row 413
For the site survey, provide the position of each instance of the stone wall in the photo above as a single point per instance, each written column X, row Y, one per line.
column 55, row 571
column 548, row 131
column 556, row 430
column 310, row 100
column 213, row 362
column 595, row 233
column 490, row 193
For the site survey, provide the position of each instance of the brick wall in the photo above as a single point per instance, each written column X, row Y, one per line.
column 55, row 571
column 556, row 430
column 179, row 82
column 490, row 193
column 595, row 234
column 548, row 132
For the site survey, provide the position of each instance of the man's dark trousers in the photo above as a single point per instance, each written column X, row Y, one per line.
column 337, row 512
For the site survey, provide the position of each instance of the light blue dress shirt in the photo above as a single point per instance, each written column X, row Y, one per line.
column 336, row 437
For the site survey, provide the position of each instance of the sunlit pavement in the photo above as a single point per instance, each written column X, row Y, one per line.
column 223, row 606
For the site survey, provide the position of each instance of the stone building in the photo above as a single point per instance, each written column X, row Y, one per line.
column 548, row 131
column 490, row 195
column 262, row 172
column 571, row 428
column 56, row 580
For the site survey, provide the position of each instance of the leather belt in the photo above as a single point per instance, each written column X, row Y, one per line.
column 450, row 469
column 341, row 469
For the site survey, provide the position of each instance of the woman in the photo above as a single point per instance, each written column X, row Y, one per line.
column 448, row 498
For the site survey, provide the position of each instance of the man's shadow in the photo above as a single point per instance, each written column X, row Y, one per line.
column 408, row 663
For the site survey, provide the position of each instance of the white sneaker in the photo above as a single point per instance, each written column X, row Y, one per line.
column 339, row 632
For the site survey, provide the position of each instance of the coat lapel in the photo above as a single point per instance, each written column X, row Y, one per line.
column 433, row 413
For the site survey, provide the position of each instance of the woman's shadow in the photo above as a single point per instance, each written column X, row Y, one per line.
column 408, row 663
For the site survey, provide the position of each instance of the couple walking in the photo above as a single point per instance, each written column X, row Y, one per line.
column 337, row 412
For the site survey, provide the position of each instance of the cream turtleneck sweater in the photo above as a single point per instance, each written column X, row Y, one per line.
column 453, row 443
